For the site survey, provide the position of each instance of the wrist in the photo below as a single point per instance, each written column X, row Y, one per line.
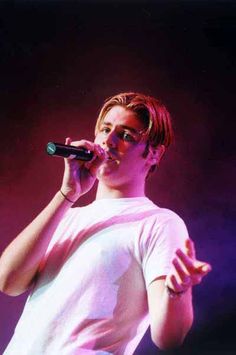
column 69, row 198
column 172, row 293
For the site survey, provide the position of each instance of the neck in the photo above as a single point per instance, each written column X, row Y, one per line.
column 105, row 191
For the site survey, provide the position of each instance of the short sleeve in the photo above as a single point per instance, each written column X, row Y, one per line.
column 161, row 245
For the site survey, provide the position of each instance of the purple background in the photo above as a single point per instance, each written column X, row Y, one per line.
column 60, row 59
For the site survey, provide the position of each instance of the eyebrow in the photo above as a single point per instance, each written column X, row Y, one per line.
column 131, row 129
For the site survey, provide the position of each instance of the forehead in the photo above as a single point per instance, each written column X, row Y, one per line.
column 119, row 115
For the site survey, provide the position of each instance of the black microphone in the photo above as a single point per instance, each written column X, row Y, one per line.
column 69, row 151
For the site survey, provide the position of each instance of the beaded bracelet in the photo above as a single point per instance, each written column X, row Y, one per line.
column 67, row 199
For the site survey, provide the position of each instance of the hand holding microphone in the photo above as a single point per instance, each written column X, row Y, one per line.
column 81, row 165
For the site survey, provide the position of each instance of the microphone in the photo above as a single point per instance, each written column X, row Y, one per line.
column 69, row 151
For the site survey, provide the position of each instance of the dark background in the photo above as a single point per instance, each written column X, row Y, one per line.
column 59, row 60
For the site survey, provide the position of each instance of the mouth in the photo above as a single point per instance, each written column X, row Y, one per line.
column 111, row 158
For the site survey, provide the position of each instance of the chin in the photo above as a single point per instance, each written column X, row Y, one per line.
column 104, row 173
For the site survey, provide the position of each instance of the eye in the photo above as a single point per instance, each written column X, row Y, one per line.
column 128, row 137
column 105, row 130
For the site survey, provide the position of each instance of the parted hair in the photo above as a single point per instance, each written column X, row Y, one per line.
column 151, row 111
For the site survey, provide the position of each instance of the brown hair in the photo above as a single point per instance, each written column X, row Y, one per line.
column 151, row 111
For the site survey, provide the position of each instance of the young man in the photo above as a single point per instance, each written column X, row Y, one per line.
column 101, row 274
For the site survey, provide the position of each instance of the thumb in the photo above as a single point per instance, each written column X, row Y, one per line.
column 202, row 267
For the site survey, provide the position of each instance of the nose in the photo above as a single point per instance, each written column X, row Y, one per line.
column 110, row 140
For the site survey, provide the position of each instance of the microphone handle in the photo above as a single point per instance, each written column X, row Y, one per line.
column 68, row 151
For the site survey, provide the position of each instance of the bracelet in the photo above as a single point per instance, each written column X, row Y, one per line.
column 67, row 199
column 173, row 294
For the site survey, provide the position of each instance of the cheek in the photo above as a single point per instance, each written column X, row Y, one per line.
column 97, row 139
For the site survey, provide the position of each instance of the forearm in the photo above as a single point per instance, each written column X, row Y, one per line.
column 173, row 321
column 171, row 318
column 20, row 260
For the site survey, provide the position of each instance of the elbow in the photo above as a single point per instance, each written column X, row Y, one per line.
column 9, row 287
column 3, row 282
column 170, row 339
column 167, row 344
column 10, row 290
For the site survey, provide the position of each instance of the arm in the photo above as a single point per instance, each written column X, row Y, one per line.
column 20, row 260
column 172, row 319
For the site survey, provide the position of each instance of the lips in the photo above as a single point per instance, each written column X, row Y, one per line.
column 110, row 156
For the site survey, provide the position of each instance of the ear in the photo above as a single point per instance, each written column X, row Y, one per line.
column 155, row 154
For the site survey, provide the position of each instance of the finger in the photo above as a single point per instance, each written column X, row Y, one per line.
column 83, row 143
column 183, row 276
column 168, row 281
column 186, row 279
column 66, row 160
column 90, row 146
column 174, row 284
column 98, row 158
column 68, row 141
column 186, row 260
column 202, row 267
column 99, row 153
column 95, row 148
column 190, row 248
column 193, row 266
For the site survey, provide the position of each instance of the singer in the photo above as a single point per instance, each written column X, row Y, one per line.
column 100, row 275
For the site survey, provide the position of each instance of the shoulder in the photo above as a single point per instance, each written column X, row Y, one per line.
column 165, row 216
column 164, row 228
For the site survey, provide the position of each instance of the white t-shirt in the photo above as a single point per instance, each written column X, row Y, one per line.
column 90, row 295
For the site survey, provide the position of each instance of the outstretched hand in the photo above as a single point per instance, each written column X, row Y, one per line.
column 186, row 270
